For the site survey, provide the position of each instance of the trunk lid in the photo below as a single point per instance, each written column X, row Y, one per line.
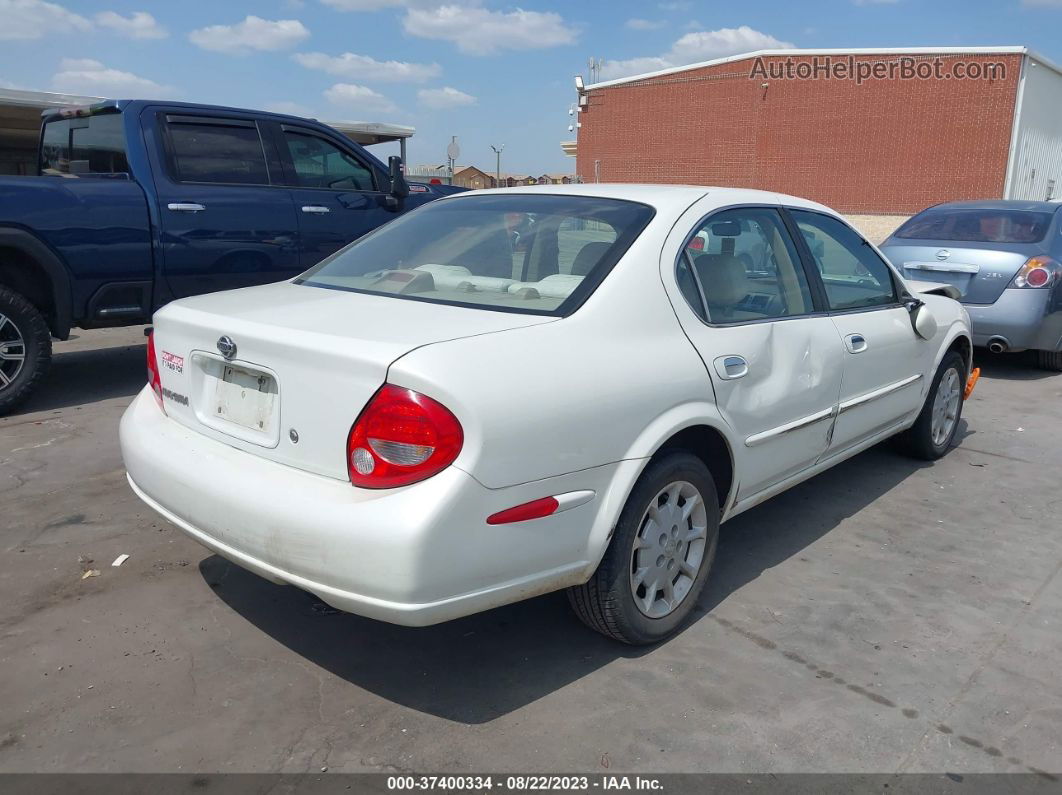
column 307, row 360
column 981, row 272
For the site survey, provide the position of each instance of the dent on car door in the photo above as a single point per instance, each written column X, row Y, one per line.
column 336, row 194
column 885, row 362
column 772, row 355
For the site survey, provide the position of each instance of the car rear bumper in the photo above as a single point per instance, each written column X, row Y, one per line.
column 414, row 556
column 1024, row 318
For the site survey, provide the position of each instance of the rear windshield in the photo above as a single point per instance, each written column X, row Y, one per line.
column 540, row 254
column 977, row 226
column 84, row 145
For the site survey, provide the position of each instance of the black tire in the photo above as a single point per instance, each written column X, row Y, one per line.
column 917, row 440
column 607, row 602
column 1049, row 360
column 21, row 321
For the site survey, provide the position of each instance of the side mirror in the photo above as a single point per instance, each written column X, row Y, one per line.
column 399, row 188
column 925, row 325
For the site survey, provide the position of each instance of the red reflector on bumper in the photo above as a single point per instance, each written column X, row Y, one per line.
column 535, row 509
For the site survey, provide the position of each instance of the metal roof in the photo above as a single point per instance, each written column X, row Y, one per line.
column 858, row 51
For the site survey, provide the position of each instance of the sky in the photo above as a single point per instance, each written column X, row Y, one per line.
column 489, row 73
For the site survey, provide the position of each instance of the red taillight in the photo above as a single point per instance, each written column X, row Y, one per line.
column 153, row 376
column 400, row 438
column 697, row 244
column 1038, row 272
column 535, row 509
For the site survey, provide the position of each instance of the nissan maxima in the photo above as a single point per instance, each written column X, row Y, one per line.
column 436, row 420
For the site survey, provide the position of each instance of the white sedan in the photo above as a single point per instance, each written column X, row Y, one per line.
column 438, row 420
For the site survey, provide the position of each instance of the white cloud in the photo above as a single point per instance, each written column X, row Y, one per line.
column 479, row 31
column 361, row 99
column 361, row 5
column 444, row 98
column 254, row 33
column 291, row 108
column 645, row 24
column 362, row 67
column 138, row 25
column 695, row 47
column 88, row 76
column 32, row 19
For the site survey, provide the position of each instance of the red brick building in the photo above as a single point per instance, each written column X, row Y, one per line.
column 864, row 131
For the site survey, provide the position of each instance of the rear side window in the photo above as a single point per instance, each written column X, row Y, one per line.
column 84, row 145
column 746, row 266
column 224, row 153
column 853, row 275
column 320, row 164
column 539, row 254
column 977, row 226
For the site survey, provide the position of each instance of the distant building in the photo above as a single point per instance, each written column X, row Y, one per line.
column 875, row 131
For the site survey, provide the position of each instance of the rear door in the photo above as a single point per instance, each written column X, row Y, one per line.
column 772, row 352
column 884, row 360
column 336, row 193
column 224, row 223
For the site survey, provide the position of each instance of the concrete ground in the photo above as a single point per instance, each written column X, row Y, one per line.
column 886, row 616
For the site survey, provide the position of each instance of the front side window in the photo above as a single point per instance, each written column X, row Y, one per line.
column 747, row 268
column 220, row 153
column 854, row 276
column 84, row 145
column 536, row 254
column 977, row 226
column 320, row 164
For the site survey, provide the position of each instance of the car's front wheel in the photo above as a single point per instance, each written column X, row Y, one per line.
column 659, row 557
column 1049, row 360
column 934, row 431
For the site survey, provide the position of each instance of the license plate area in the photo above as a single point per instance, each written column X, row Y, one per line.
column 237, row 398
column 956, row 274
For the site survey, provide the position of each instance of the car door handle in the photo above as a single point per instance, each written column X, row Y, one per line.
column 730, row 368
column 185, row 207
column 315, row 209
column 856, row 343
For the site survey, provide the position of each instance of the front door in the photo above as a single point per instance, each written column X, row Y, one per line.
column 336, row 195
column 885, row 360
column 224, row 224
column 773, row 356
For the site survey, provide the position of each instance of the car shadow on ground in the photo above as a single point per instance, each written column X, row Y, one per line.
column 88, row 376
column 484, row 666
column 1010, row 366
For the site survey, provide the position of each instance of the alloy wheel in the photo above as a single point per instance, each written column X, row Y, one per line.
column 945, row 407
column 12, row 351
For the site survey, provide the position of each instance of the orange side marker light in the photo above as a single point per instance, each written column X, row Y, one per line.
column 971, row 383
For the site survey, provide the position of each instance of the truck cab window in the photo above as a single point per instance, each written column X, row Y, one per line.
column 218, row 153
column 84, row 145
column 320, row 164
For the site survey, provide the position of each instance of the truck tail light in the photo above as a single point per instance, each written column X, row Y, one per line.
column 1038, row 272
column 154, row 379
column 401, row 437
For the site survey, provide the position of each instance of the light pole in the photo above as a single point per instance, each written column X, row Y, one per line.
column 497, row 164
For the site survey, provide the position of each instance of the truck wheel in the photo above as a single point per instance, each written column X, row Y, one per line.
column 1049, row 360
column 658, row 560
column 934, row 430
column 25, row 349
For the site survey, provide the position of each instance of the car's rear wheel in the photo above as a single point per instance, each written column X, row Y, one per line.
column 659, row 557
column 934, row 431
column 25, row 349
column 1049, row 360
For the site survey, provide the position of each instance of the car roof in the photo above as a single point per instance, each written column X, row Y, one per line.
column 662, row 197
column 999, row 204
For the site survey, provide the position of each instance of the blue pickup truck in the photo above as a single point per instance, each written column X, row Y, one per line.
column 138, row 203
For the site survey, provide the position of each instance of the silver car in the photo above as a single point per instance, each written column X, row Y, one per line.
column 1004, row 259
